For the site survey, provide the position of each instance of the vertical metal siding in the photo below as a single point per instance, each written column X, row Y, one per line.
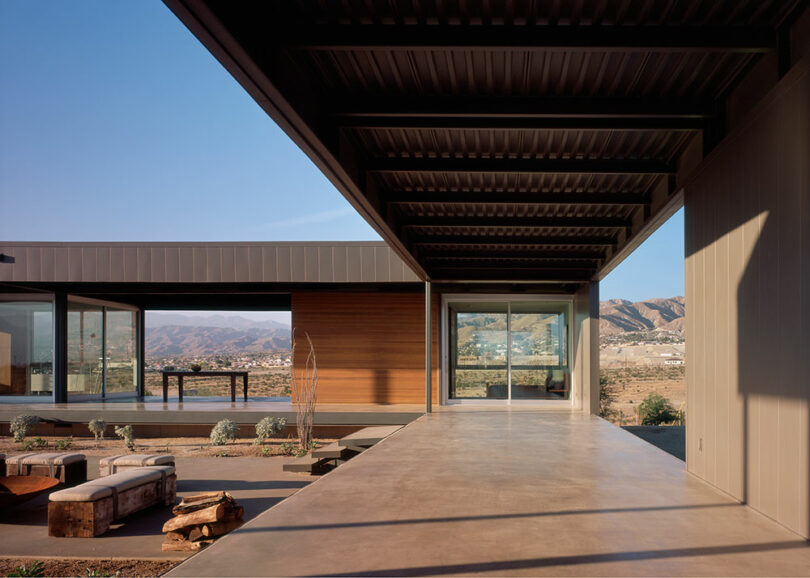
column 748, row 321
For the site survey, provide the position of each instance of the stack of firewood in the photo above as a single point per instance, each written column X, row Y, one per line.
column 201, row 519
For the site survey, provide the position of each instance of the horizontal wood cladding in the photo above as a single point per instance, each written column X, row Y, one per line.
column 370, row 347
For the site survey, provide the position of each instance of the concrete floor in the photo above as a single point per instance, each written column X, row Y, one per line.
column 507, row 493
column 256, row 483
column 670, row 438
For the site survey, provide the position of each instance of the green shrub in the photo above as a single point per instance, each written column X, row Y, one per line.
column 40, row 443
column 97, row 427
column 27, row 446
column 35, row 569
column 64, row 444
column 20, row 425
column 224, row 432
column 127, row 434
column 656, row 410
column 267, row 427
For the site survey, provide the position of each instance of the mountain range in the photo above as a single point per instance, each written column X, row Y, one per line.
column 620, row 316
column 178, row 334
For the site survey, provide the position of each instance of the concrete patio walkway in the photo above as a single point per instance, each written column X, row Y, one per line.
column 507, row 493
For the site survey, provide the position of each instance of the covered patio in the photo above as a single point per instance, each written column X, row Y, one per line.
column 508, row 492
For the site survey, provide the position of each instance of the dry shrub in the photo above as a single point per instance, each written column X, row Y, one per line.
column 305, row 393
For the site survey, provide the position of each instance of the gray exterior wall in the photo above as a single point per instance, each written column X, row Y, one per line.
column 585, row 364
column 748, row 295
column 355, row 262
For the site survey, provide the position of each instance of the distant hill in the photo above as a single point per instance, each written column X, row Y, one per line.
column 620, row 316
column 177, row 334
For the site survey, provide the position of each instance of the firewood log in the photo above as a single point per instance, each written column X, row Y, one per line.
column 177, row 536
column 196, row 534
column 211, row 514
column 185, row 546
column 201, row 502
column 220, row 528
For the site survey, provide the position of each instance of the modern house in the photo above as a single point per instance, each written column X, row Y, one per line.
column 510, row 156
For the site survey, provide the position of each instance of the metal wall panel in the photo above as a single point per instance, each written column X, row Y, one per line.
column 204, row 263
column 748, row 322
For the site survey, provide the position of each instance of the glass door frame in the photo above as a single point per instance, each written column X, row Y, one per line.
column 509, row 298
column 105, row 305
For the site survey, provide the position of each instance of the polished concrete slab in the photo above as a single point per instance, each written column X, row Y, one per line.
column 505, row 492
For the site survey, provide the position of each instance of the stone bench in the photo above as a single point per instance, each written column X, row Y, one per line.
column 87, row 510
column 69, row 469
column 114, row 464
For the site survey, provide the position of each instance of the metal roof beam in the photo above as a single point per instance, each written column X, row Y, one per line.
column 515, row 252
column 738, row 39
column 512, row 222
column 521, row 165
column 586, row 123
column 510, row 198
column 523, row 240
column 507, row 274
column 522, row 107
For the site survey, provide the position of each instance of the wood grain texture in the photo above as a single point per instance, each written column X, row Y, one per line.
column 370, row 347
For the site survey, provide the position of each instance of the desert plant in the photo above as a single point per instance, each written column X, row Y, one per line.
column 267, row 427
column 20, row 425
column 127, row 434
column 607, row 397
column 224, row 432
column 35, row 569
column 266, row 452
column 27, row 446
column 40, row 443
column 64, row 444
column 656, row 409
column 305, row 393
column 97, row 427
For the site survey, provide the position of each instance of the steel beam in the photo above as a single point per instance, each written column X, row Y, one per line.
column 521, row 166
column 525, row 240
column 510, row 198
column 737, row 39
column 511, row 222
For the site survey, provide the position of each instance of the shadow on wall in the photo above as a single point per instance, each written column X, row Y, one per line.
column 748, row 267
column 382, row 386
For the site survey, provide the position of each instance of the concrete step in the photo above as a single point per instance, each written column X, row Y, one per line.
column 333, row 451
column 304, row 464
column 369, row 436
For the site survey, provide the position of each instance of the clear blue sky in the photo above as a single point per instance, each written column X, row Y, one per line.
column 116, row 124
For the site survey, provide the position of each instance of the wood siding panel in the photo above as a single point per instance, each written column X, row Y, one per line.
column 748, row 294
column 370, row 347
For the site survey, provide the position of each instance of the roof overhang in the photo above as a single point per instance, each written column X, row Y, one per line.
column 500, row 143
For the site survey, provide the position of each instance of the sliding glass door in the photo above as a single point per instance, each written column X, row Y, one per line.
column 509, row 350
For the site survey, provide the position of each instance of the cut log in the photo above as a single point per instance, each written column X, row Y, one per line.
column 234, row 513
column 211, row 514
column 194, row 503
column 204, row 496
column 185, row 546
column 177, row 536
column 220, row 528
column 195, row 535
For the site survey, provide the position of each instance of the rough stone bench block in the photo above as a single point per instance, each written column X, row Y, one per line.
column 87, row 510
column 114, row 464
column 69, row 468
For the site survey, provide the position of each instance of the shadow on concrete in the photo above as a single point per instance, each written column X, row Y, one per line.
column 530, row 563
column 449, row 519
column 239, row 485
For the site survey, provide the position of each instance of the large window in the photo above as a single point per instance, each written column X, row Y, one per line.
column 102, row 350
column 509, row 350
column 26, row 348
